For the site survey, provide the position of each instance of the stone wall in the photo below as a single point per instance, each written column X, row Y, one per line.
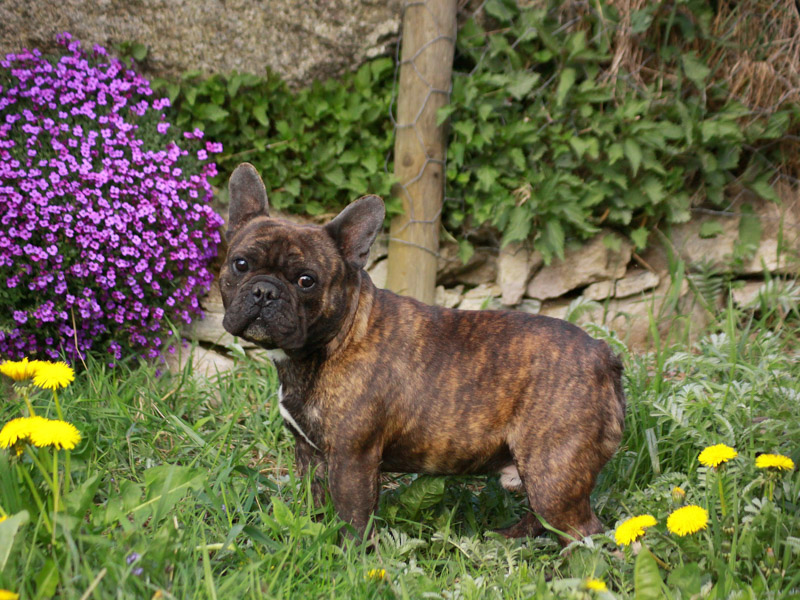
column 609, row 283
column 301, row 41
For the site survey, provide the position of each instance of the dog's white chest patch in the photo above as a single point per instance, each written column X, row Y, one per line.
column 287, row 416
column 276, row 355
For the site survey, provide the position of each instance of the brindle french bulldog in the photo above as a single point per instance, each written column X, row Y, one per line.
column 372, row 381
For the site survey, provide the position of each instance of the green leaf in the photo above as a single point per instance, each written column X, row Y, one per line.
column 711, row 229
column 210, row 112
column 688, row 579
column 639, row 237
column 166, row 485
column 750, row 228
column 523, row 84
column 139, row 51
column 336, row 176
column 554, row 237
column 281, row 513
column 762, row 187
column 633, row 152
column 465, row 251
column 519, row 225
column 8, row 531
column 695, row 69
column 646, row 577
column 47, row 580
column 424, row 492
column 565, row 83
column 499, row 10
column 260, row 113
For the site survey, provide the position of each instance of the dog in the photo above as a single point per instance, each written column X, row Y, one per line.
column 371, row 381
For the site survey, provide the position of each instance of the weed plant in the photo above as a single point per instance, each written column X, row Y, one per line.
column 183, row 487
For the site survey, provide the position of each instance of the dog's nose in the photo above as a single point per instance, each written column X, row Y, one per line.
column 264, row 291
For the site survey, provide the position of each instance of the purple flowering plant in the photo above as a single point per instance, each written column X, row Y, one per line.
column 106, row 232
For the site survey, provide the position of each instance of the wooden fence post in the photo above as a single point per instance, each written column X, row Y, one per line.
column 429, row 29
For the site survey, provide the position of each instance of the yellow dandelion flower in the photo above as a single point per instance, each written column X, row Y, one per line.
column 376, row 574
column 19, row 430
column 678, row 493
column 714, row 456
column 632, row 529
column 686, row 520
column 595, row 585
column 7, row 595
column 19, row 370
column 52, row 376
column 778, row 462
column 59, row 434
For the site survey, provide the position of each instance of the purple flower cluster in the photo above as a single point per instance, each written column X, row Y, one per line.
column 105, row 228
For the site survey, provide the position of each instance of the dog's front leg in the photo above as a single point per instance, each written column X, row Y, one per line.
column 310, row 461
column 353, row 481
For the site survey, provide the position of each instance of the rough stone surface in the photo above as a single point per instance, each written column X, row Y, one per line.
column 515, row 265
column 635, row 282
column 302, row 41
column 379, row 272
column 587, row 264
column 745, row 293
column 480, row 268
column 779, row 246
column 205, row 363
column 449, row 298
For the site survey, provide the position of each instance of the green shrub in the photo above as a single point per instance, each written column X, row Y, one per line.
column 551, row 138
column 317, row 148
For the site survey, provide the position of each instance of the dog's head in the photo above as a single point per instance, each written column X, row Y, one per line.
column 288, row 286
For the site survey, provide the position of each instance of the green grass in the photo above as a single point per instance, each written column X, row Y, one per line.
column 185, row 488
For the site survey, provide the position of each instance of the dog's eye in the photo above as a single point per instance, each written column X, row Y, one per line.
column 306, row 282
column 240, row 265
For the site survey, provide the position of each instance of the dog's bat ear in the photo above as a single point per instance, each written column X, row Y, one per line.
column 356, row 227
column 248, row 197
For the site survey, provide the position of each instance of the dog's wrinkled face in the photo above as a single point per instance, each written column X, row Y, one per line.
column 286, row 286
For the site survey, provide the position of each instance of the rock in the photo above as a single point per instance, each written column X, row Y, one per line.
column 205, row 363
column 777, row 249
column 481, row 297
column 635, row 282
column 379, row 272
column 745, row 293
column 449, row 298
column 482, row 291
column 480, row 268
column 515, row 264
column 530, row 306
column 600, row 290
column 301, row 41
column 592, row 262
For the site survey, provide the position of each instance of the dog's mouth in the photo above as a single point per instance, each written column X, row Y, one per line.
column 271, row 326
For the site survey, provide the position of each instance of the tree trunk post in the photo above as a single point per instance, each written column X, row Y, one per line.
column 429, row 30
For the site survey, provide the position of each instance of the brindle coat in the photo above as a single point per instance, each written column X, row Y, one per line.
column 372, row 381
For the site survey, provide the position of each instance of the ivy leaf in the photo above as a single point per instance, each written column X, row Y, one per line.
column 523, row 84
column 711, row 229
column 695, row 69
column 639, row 237
column 335, row 176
